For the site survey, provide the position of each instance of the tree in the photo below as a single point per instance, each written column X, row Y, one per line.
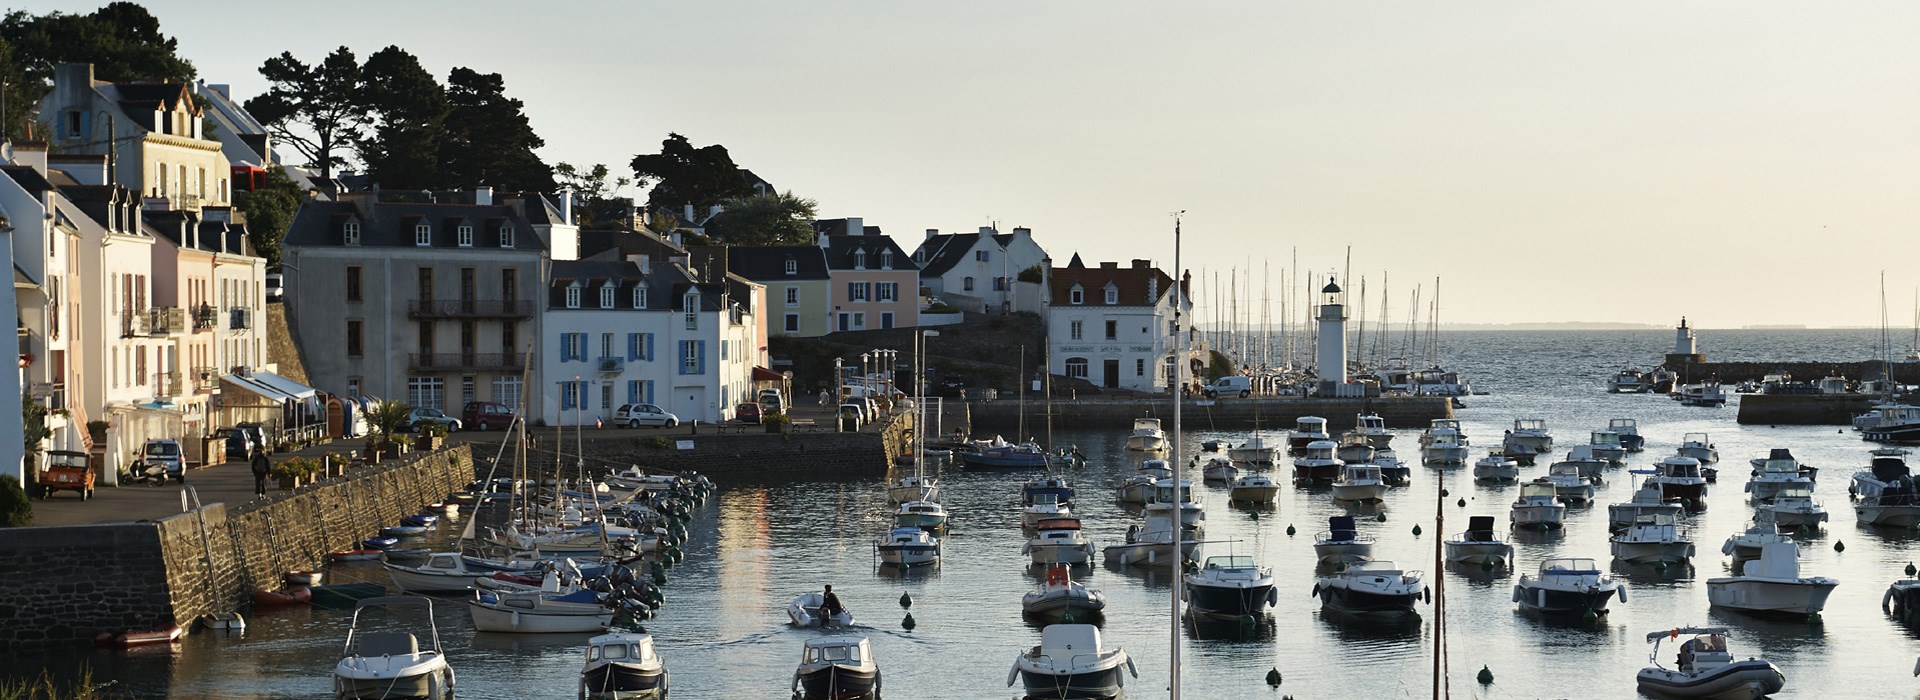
column 595, row 203
column 122, row 41
column 270, row 209
column 765, row 219
column 681, row 175
column 15, row 509
column 33, row 419
column 488, row 138
column 316, row 108
column 406, row 115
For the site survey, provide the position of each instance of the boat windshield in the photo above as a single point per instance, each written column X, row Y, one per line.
column 1628, row 423
column 1695, row 438
column 1536, row 489
column 1443, row 423
column 1529, row 424
column 1569, row 565
column 1606, row 438
column 1146, row 424
column 1230, row 562
column 1682, row 468
column 1795, row 494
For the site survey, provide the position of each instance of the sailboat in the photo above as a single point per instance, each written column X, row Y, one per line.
column 1256, row 450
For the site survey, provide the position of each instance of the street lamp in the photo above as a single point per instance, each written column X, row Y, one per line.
column 837, row 362
column 866, row 372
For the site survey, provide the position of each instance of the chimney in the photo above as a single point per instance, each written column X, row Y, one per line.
column 566, row 206
column 1022, row 232
column 483, row 196
column 686, row 215
column 1139, row 264
column 30, row 153
column 855, row 227
column 931, row 233
column 1109, row 265
column 986, row 231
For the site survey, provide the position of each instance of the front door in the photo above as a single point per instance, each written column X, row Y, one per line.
column 1111, row 377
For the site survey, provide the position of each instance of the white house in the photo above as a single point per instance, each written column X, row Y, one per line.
column 976, row 271
column 1112, row 325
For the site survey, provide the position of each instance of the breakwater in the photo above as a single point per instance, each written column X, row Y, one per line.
column 750, row 457
column 1803, row 409
column 1730, row 372
column 1409, row 412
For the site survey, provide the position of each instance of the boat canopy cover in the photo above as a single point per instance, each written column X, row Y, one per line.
column 1480, row 528
column 1777, row 560
column 584, row 595
column 1889, row 467
column 1342, row 527
column 1780, row 453
column 1067, row 641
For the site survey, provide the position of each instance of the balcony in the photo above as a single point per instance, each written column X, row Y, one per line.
column 206, row 378
column 464, row 361
column 240, row 318
column 469, row 308
column 167, row 385
column 166, row 320
column 172, row 202
column 204, row 318
column 613, row 365
column 132, row 324
column 51, row 394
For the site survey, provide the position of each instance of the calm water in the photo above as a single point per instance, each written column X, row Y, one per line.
column 723, row 631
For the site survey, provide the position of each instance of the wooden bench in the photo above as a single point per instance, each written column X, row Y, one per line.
column 807, row 424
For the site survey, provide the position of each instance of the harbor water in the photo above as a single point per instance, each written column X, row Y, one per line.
column 723, row 632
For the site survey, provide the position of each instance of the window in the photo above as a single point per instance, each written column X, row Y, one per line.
column 467, row 332
column 640, row 346
column 426, row 337
column 793, row 323
column 856, row 291
column 793, row 296
column 886, row 319
column 353, row 283
column 464, row 234
column 506, row 390
column 510, row 339
column 510, row 284
column 506, row 236
column 1076, row 295
column 640, row 296
column 425, row 285
column 1075, row 329
column 1113, row 295
column 793, row 267
column 606, row 296
column 691, row 306
column 73, row 123
column 200, row 185
column 570, row 396
column 422, row 236
column 426, row 392
column 1113, row 330
column 693, row 358
column 886, row 291
column 966, row 284
column 859, row 259
column 353, row 386
column 573, row 296
column 980, row 255
column 886, row 259
column 350, row 233
column 466, row 390
column 354, row 346
column 1140, row 367
column 573, row 346
column 1077, row 367
column 723, row 356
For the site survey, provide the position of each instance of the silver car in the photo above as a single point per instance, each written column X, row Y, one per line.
column 634, row 415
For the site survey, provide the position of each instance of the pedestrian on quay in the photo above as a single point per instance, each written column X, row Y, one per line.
column 824, row 396
column 260, row 469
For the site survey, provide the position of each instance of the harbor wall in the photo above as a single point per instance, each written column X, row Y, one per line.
column 1730, row 372
column 1225, row 412
column 754, row 457
column 66, row 584
column 1803, row 409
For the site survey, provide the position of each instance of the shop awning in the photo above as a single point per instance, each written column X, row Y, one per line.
column 762, row 374
column 256, row 387
column 283, row 385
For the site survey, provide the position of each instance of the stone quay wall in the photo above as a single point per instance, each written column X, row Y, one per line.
column 66, row 584
column 1808, row 409
column 753, row 457
column 1226, row 412
column 1730, row 372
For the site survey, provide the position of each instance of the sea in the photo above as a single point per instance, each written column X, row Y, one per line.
column 757, row 544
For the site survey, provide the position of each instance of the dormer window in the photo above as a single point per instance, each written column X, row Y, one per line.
column 640, row 296
column 423, row 235
column 1113, row 294
column 606, row 296
column 793, row 266
column 1077, row 295
column 859, row 259
column 690, row 305
column 886, row 260
column 350, row 233
column 573, row 296
column 465, row 235
column 506, row 236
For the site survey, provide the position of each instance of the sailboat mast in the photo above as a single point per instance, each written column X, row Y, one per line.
column 1441, row 685
column 1179, row 396
column 1020, row 392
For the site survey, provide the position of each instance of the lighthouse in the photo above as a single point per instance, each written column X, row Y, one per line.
column 1683, row 342
column 1686, row 353
column 1330, row 357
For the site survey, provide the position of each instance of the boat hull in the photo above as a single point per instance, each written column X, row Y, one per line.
column 909, row 554
column 1343, row 552
column 1146, row 443
column 1554, row 601
column 1104, row 683
column 436, row 684
column 1320, row 473
column 1687, row 493
column 1253, row 494
column 1135, row 493
column 1650, row 552
column 1787, row 597
column 1151, row 556
column 839, row 683
column 1620, row 516
column 1491, row 553
column 620, row 681
column 1889, row 516
column 1451, row 454
column 1740, row 680
column 487, row 618
column 421, row 582
column 1230, row 601
column 1359, row 602
column 1063, row 553
column 1538, row 516
column 1361, row 492
column 1059, row 605
column 1500, row 473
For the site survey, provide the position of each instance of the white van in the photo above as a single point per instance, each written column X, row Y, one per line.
column 1231, row 385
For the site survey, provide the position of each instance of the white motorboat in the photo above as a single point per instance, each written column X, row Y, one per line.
column 1536, row 507
column 1307, row 430
column 1646, row 500
column 1772, row 584
column 1679, row 478
column 1496, row 467
column 1138, row 488
column 379, row 665
column 809, row 610
column 922, row 514
column 623, row 666
column 1699, row 446
column 1479, row 544
column 1371, row 588
column 1071, row 662
column 1747, row 544
column 1902, row 599
column 1058, row 541
column 1354, row 447
column 1527, row 438
column 1795, row 508
column 442, row 572
column 1044, row 508
column 1392, row 470
column 914, row 488
column 1228, row 587
column 1568, row 485
column 1062, row 599
column 1443, row 449
column 1039, row 487
column 1253, row 488
column 1175, row 496
column 538, row 612
column 1316, row 463
column 1147, row 436
column 1342, row 543
column 1567, row 585
column 1886, row 491
column 1152, row 546
column 1651, row 539
column 1607, row 445
column 1707, row 393
column 1256, row 450
column 1374, row 428
column 836, row 668
column 1704, row 669
column 1895, row 423
column 908, row 546
column 1218, row 468
column 1360, row 483
column 1628, row 381
column 1777, row 472
column 1629, row 431
column 1591, row 465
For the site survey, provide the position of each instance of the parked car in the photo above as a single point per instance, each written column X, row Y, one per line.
column 486, row 415
column 635, row 415
column 772, row 402
column 422, row 417
column 166, row 453
column 747, row 412
column 1230, row 385
column 275, row 290
column 256, row 434
column 851, row 416
column 239, row 444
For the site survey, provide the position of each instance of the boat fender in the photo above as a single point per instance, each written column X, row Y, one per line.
column 1623, row 593
column 1428, row 594
column 1316, row 591
column 516, row 619
column 1541, row 597
column 1013, row 674
column 1516, row 594
column 1885, row 600
column 1273, row 597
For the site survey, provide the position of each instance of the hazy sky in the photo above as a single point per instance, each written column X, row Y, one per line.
column 1736, row 162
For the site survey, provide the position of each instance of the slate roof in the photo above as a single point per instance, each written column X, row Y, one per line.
column 945, row 250
column 767, row 264
column 211, row 236
column 840, row 246
column 666, row 285
column 392, row 225
column 1132, row 283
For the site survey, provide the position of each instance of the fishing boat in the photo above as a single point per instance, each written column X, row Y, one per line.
column 1704, row 669
column 1663, row 380
column 538, row 612
column 1044, row 508
column 1360, row 483
column 1051, row 485
column 346, row 555
column 1629, row 431
column 1496, row 467
column 1628, row 381
column 1606, row 444
column 1218, row 469
column 1646, row 500
column 914, row 488
column 1568, row 485
column 1147, row 436
column 1480, row 544
column 1316, row 463
column 1590, row 465
column 379, row 665
column 1708, row 393
column 1527, row 438
column 1138, row 488
column 809, row 610
column 1795, row 508
column 1651, row 539
column 1062, row 599
column 1228, row 587
column 1256, row 450
column 836, row 668
column 1444, row 449
column 1342, row 542
column 922, row 514
column 1442, row 426
column 1699, row 446
column 1253, row 488
column 1000, row 454
column 1374, row 429
column 169, row 634
column 623, row 666
column 1371, row 588
column 1354, row 447
column 1306, row 431
column 1680, row 478
column 1152, row 546
column 1772, row 584
column 1567, row 585
column 908, row 546
column 1058, row 541
column 1776, row 472
column 1902, row 599
column 285, row 596
column 1173, row 499
column 443, row 572
column 1747, row 544
column 1392, row 470
column 1071, row 661
column 1890, row 423
column 1536, row 507
column 1886, row 491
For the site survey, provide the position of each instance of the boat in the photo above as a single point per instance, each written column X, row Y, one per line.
column 1053, row 485
column 1342, row 542
column 1567, row 585
column 231, row 622
column 1496, row 467
column 1218, row 468
column 345, row 595
column 1704, row 669
column 1902, row 599
column 807, row 610
column 1392, row 470
column 1316, row 463
column 1228, row 587
column 1891, row 423
column 1628, row 381
column 1646, row 500
column 914, row 488
column 379, row 665
column 381, row 543
column 1253, row 488
column 1256, row 450
column 1662, row 379
column 1747, row 544
column 1527, row 438
column 1060, row 598
column 355, row 555
column 1058, row 541
column 908, row 546
column 1653, row 539
column 1885, row 491
column 922, row 514
column 1444, row 449
column 442, row 572
column 1167, row 498
column 1629, row 431
column 1585, row 463
column 404, row 531
column 1699, row 446
column 1479, row 544
column 1371, row 588
column 422, row 519
column 1354, row 447
column 1151, row 546
column 1071, row 661
column 289, row 595
column 302, row 578
column 839, row 667
column 1374, row 429
column 1795, row 508
column 1568, row 485
column 1442, row 426
column 1680, row 478
column 1306, row 431
column 1536, row 507
column 1000, row 454
column 1772, row 584
column 1777, row 472
column 137, row 638
column 1360, row 483
column 1147, row 436
column 1607, row 445
column 623, row 666
column 1045, row 508
column 1136, row 489
column 538, row 612
column 1708, row 393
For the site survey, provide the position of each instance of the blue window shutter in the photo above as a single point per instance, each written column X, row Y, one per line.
column 681, row 366
column 566, row 397
column 633, row 346
column 633, row 391
column 649, row 347
column 586, row 401
column 700, row 356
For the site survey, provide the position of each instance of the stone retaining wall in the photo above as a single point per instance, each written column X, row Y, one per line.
column 1226, row 412
column 750, row 458
column 1811, row 409
column 1731, row 372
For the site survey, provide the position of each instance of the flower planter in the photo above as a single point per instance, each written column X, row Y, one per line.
column 289, row 483
column 428, row 442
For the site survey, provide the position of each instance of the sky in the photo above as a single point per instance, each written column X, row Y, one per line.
column 1737, row 162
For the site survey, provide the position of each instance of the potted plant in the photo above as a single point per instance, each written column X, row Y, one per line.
column 387, row 420
column 98, row 430
column 336, row 464
column 776, row 422
column 290, row 473
column 432, row 435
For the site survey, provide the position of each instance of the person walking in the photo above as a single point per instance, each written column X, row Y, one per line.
column 260, row 468
column 823, row 397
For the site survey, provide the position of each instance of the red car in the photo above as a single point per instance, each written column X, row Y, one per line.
column 747, row 413
column 486, row 415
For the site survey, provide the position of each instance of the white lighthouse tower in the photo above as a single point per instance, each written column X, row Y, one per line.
column 1683, row 341
column 1330, row 358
